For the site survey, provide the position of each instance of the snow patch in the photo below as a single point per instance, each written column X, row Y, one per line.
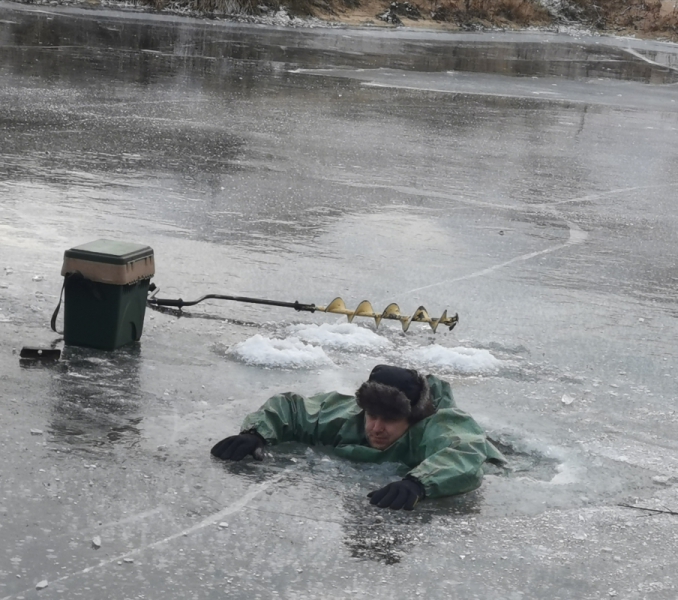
column 290, row 353
column 344, row 336
column 468, row 361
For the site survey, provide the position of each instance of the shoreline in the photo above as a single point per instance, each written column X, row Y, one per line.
column 362, row 18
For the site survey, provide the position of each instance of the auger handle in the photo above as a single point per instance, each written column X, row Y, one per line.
column 181, row 303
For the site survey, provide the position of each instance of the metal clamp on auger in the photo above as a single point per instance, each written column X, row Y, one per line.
column 337, row 306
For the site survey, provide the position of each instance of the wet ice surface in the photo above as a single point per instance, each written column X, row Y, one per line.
column 403, row 167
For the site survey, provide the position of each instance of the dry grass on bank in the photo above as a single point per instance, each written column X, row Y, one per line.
column 488, row 13
column 518, row 13
column 642, row 16
column 455, row 13
column 655, row 18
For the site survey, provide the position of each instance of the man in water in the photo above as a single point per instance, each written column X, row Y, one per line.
column 397, row 415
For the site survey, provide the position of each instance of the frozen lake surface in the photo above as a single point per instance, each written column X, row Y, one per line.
column 527, row 181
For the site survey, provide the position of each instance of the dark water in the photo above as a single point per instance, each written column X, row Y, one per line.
column 185, row 47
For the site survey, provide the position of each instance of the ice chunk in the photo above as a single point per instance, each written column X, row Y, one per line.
column 567, row 399
column 568, row 474
column 96, row 542
column 342, row 336
column 42, row 585
column 290, row 353
column 36, row 432
column 462, row 360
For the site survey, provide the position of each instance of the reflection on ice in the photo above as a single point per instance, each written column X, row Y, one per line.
column 371, row 535
column 95, row 400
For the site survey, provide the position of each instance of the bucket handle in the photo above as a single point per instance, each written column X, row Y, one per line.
column 55, row 314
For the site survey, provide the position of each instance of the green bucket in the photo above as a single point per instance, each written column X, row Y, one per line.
column 105, row 288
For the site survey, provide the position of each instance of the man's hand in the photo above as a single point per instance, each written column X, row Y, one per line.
column 239, row 446
column 399, row 494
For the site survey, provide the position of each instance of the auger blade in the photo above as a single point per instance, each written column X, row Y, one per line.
column 451, row 322
column 336, row 306
column 391, row 312
column 435, row 322
column 364, row 310
column 419, row 315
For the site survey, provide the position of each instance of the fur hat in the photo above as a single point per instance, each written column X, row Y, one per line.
column 395, row 393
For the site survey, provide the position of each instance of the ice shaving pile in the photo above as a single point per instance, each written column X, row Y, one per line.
column 308, row 344
column 466, row 361
column 343, row 336
column 290, row 353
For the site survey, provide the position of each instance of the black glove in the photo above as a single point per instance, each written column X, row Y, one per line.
column 239, row 446
column 399, row 494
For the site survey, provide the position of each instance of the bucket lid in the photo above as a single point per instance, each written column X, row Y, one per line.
column 110, row 252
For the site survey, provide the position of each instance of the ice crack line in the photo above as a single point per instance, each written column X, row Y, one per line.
column 211, row 520
column 647, row 59
column 577, row 236
column 414, row 191
column 600, row 195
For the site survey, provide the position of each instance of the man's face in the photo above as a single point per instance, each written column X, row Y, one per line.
column 381, row 433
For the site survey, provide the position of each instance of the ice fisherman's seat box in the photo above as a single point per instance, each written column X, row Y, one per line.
column 105, row 293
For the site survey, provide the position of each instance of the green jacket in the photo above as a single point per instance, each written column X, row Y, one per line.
column 445, row 451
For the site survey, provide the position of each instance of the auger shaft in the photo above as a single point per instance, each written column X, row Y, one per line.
column 337, row 306
column 181, row 303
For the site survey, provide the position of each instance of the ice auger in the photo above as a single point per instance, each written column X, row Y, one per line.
column 337, row 306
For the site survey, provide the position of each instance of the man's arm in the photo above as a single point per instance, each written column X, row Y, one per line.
column 290, row 417
column 451, row 452
column 455, row 469
column 285, row 417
